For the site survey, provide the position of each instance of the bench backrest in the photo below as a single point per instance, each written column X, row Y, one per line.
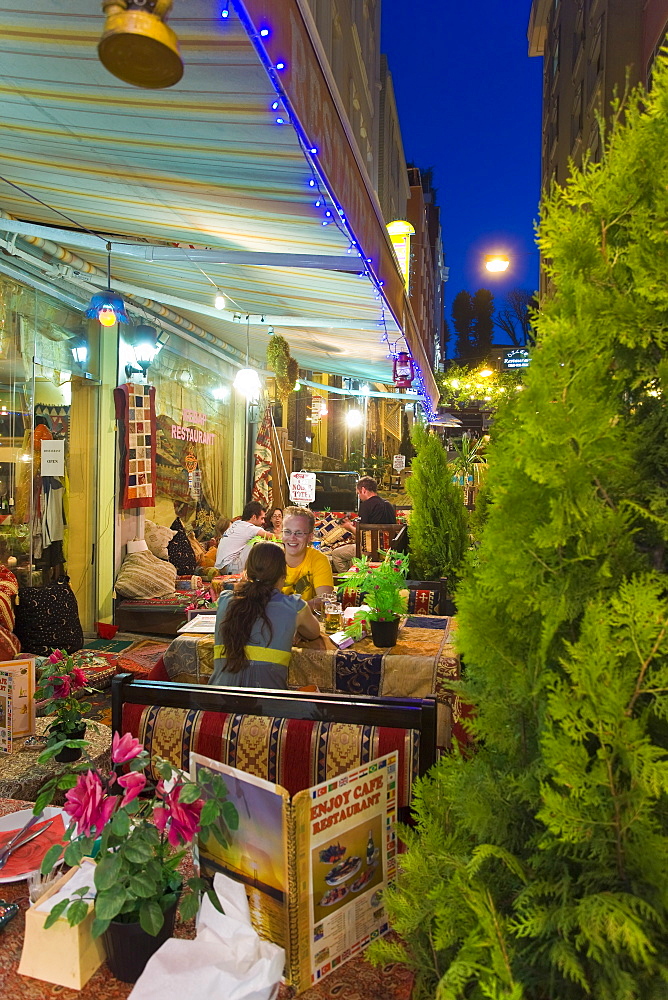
column 293, row 738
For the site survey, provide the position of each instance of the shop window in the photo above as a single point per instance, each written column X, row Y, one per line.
column 48, row 414
column 193, row 407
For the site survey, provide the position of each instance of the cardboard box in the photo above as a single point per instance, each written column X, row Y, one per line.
column 64, row 955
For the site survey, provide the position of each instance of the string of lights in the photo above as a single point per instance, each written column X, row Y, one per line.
column 332, row 211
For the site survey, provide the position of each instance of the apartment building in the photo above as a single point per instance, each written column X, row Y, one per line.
column 590, row 49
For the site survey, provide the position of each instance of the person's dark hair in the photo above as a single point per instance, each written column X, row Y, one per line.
column 367, row 483
column 268, row 526
column 264, row 568
column 252, row 509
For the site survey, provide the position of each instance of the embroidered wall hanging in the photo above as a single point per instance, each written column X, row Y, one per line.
column 135, row 412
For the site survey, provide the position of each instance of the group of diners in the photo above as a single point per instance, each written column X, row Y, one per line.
column 257, row 622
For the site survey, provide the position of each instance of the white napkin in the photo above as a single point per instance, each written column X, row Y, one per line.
column 226, row 959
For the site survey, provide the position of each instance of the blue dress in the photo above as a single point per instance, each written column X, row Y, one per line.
column 268, row 660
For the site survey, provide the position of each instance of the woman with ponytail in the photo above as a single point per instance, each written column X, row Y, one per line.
column 256, row 623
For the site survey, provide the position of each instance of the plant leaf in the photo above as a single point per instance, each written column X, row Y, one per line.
column 99, row 926
column 77, row 912
column 50, row 858
column 151, row 917
column 56, row 912
column 110, row 902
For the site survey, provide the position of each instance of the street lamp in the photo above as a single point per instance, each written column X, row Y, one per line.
column 497, row 262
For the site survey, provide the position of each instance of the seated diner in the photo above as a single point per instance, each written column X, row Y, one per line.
column 309, row 573
column 256, row 622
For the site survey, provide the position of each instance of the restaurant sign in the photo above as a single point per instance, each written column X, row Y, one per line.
column 518, row 358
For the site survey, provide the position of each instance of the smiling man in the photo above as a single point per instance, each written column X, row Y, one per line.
column 309, row 573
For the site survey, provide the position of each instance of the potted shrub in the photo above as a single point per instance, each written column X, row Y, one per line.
column 144, row 827
column 439, row 535
column 60, row 687
column 384, row 593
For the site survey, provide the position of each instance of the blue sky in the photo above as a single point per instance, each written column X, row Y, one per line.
column 469, row 100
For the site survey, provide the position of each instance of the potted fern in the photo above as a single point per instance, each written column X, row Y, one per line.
column 385, row 596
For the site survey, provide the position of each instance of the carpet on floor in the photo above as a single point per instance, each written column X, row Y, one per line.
column 140, row 658
column 109, row 645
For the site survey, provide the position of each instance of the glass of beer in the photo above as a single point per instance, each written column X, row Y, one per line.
column 333, row 617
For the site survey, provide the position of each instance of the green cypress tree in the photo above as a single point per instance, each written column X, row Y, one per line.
column 438, row 529
column 538, row 866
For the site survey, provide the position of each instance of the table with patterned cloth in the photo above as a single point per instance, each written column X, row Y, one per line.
column 356, row 980
column 21, row 777
column 424, row 661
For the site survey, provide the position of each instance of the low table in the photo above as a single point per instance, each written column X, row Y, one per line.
column 21, row 777
column 423, row 662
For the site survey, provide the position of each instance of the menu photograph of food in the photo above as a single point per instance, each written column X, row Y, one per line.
column 357, row 870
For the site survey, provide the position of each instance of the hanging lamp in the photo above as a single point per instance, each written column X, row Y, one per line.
column 107, row 307
column 137, row 46
column 247, row 381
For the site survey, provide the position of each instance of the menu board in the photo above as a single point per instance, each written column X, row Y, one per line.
column 22, row 672
column 315, row 865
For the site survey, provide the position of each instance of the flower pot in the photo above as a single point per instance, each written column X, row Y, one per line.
column 69, row 754
column 129, row 947
column 384, row 633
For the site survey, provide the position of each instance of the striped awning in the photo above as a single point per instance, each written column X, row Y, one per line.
column 197, row 187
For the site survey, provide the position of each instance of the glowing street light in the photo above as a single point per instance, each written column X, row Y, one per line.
column 497, row 262
column 354, row 418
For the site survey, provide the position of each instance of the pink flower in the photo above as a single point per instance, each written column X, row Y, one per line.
column 179, row 818
column 87, row 804
column 56, row 656
column 133, row 783
column 62, row 686
column 125, row 748
column 79, row 678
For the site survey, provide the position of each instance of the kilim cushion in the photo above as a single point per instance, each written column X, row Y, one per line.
column 332, row 533
column 144, row 575
column 158, row 538
column 295, row 753
column 424, row 602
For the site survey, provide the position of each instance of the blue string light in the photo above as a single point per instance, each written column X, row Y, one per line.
column 318, row 178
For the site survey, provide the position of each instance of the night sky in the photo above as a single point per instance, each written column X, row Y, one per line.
column 469, row 102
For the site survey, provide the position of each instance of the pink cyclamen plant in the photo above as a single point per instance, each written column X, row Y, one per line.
column 141, row 818
column 60, row 688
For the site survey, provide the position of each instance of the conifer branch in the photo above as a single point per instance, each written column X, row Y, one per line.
column 604, row 494
column 643, row 669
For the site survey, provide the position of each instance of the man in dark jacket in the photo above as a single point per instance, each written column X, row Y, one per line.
column 372, row 510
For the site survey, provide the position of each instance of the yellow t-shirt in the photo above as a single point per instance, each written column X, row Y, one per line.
column 313, row 571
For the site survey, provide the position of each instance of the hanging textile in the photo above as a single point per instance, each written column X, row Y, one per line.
column 262, row 461
column 135, row 412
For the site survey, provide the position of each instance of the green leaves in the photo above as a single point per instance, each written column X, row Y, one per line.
column 50, row 858
column 537, row 865
column 110, row 902
column 151, row 917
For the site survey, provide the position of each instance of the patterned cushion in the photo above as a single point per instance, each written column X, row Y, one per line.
column 294, row 753
column 332, row 533
column 143, row 575
column 158, row 538
column 424, row 602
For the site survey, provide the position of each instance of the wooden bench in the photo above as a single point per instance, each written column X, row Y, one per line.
column 296, row 739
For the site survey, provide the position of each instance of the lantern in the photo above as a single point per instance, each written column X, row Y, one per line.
column 404, row 372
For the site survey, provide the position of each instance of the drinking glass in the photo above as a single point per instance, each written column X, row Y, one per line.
column 333, row 617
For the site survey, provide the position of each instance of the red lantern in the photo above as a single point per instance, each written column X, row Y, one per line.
column 404, row 372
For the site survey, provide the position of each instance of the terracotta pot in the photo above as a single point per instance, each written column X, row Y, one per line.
column 129, row 947
column 384, row 633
